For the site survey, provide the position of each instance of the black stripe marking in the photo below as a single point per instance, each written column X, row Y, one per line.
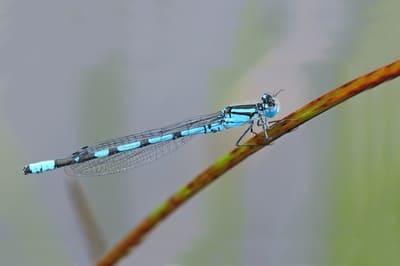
column 63, row 162
column 143, row 143
column 177, row 135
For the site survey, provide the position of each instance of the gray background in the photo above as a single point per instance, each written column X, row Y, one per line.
column 76, row 72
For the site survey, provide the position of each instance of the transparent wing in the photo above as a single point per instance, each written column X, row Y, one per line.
column 125, row 160
column 136, row 157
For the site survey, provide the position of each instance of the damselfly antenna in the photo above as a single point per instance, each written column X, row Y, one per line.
column 276, row 93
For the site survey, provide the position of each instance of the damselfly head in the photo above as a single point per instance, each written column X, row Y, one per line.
column 271, row 105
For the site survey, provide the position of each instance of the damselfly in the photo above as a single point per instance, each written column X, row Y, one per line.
column 122, row 153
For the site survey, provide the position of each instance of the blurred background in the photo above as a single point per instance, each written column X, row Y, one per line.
column 76, row 72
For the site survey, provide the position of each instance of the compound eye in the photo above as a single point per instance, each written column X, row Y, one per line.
column 270, row 101
column 266, row 98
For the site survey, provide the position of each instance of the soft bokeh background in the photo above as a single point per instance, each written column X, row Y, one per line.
column 76, row 72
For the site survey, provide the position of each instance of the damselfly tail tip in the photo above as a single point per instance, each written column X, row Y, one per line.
column 27, row 170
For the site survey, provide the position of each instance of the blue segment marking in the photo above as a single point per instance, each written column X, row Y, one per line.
column 193, row 131
column 129, row 146
column 161, row 138
column 126, row 152
column 244, row 110
column 42, row 166
column 102, row 153
column 237, row 119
